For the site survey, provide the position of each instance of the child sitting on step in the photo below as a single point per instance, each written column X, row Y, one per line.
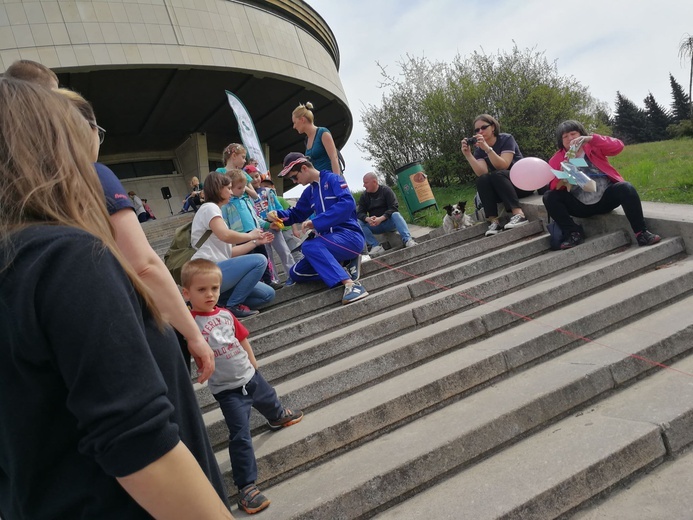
column 239, row 215
column 236, row 383
column 267, row 201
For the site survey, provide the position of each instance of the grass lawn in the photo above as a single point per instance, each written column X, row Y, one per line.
column 661, row 172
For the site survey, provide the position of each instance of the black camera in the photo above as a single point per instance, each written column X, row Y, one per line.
column 471, row 141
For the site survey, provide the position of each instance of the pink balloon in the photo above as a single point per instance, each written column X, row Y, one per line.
column 531, row 173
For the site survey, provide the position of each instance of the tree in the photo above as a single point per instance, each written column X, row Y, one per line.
column 658, row 119
column 681, row 102
column 431, row 106
column 630, row 121
column 686, row 51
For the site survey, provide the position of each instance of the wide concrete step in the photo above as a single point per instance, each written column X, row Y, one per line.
column 315, row 315
column 422, row 450
column 572, row 461
column 394, row 324
column 391, row 326
column 304, row 301
column 664, row 493
column 427, row 246
column 399, row 399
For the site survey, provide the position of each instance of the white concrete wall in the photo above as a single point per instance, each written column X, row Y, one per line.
column 71, row 34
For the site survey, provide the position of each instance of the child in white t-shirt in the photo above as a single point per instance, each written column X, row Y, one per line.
column 236, row 383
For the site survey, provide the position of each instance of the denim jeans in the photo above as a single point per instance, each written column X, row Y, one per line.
column 240, row 281
column 395, row 222
column 236, row 409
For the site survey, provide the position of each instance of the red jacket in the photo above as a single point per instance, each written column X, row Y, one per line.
column 597, row 151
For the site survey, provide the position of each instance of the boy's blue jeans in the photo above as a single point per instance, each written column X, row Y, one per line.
column 395, row 222
column 236, row 409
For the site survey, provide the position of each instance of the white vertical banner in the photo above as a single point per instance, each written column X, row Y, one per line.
column 246, row 128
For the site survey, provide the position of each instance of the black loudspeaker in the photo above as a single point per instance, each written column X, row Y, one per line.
column 166, row 193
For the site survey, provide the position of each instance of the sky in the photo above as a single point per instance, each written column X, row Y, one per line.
column 629, row 46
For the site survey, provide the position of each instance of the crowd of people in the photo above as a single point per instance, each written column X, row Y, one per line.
column 127, row 437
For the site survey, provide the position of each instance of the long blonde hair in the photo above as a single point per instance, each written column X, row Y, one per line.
column 46, row 175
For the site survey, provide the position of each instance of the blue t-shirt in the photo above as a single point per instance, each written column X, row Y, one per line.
column 116, row 196
column 504, row 143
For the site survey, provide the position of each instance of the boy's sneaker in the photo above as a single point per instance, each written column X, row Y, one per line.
column 646, row 238
column 242, row 311
column 251, row 500
column 493, row 229
column 288, row 418
column 354, row 268
column 376, row 250
column 411, row 243
column 289, row 282
column 516, row 221
column 574, row 239
column 353, row 292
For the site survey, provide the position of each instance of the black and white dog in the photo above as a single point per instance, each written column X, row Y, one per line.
column 456, row 218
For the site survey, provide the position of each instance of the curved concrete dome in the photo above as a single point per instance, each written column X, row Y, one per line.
column 156, row 70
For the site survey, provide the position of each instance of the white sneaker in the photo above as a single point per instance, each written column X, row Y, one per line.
column 411, row 243
column 493, row 229
column 376, row 250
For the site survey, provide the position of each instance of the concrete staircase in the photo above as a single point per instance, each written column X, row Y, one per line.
column 485, row 378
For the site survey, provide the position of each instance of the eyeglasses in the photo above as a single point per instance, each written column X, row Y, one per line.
column 101, row 132
column 481, row 128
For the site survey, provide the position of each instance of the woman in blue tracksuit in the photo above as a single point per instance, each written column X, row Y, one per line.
column 338, row 236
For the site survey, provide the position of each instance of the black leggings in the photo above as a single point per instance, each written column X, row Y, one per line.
column 560, row 205
column 495, row 187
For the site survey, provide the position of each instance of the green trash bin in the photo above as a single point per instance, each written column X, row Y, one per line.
column 413, row 183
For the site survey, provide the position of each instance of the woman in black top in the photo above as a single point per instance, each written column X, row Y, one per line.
column 95, row 395
column 491, row 157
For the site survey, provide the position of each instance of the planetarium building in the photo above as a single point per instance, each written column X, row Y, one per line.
column 156, row 72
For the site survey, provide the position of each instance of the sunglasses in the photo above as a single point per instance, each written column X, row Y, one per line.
column 481, row 128
column 100, row 131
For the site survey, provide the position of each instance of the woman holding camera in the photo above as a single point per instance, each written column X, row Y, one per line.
column 491, row 155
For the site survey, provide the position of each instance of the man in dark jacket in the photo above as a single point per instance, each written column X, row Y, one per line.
column 377, row 213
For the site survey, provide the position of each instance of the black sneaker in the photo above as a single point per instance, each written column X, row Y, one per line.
column 646, row 238
column 251, row 500
column 288, row 418
column 276, row 285
column 574, row 239
column 241, row 311
column 516, row 221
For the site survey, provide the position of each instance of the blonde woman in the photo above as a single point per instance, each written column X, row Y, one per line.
column 320, row 147
column 193, row 199
column 85, row 355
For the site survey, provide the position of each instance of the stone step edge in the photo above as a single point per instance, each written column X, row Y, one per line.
column 486, row 366
column 420, row 465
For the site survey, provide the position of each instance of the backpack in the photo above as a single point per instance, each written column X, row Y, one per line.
column 180, row 250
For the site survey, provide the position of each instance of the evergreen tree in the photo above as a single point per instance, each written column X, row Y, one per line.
column 681, row 102
column 658, row 119
column 630, row 121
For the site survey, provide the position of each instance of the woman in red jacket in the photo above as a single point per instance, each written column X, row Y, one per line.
column 564, row 200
